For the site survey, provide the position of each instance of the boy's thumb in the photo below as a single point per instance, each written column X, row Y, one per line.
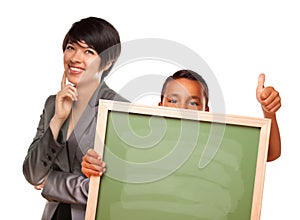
column 261, row 81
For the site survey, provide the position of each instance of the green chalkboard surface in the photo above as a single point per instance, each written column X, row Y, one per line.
column 175, row 164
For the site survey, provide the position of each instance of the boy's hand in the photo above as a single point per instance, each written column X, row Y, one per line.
column 92, row 164
column 268, row 97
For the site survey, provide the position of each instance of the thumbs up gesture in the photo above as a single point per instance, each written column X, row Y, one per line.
column 268, row 97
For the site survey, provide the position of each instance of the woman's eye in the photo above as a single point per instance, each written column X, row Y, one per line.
column 90, row 52
column 69, row 47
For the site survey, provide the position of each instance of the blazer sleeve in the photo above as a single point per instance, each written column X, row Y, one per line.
column 43, row 163
column 43, row 149
column 66, row 187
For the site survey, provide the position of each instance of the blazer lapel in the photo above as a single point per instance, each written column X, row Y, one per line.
column 83, row 135
column 61, row 157
column 84, row 131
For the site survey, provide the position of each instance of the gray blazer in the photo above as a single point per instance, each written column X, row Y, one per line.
column 61, row 164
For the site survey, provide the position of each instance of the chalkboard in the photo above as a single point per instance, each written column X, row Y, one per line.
column 167, row 163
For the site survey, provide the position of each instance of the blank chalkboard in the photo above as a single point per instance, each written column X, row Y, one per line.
column 167, row 163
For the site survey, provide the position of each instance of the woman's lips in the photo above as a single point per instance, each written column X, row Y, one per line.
column 75, row 70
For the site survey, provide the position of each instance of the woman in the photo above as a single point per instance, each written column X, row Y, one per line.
column 67, row 126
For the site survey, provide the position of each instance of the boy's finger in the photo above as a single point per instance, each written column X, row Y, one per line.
column 91, row 152
column 268, row 91
column 261, row 81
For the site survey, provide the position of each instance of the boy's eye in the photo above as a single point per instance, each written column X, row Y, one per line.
column 194, row 103
column 172, row 101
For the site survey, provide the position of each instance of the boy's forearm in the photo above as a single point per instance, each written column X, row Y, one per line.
column 275, row 140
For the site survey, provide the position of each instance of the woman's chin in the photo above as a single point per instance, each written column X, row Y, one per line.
column 73, row 82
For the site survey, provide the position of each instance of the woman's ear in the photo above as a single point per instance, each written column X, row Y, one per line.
column 107, row 66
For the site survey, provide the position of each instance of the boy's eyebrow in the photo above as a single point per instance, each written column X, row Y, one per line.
column 196, row 97
column 177, row 95
column 172, row 94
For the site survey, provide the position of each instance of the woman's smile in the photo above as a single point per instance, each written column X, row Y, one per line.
column 76, row 70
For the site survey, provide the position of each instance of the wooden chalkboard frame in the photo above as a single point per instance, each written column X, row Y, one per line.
column 106, row 105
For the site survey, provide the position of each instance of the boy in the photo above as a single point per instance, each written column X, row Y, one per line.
column 187, row 89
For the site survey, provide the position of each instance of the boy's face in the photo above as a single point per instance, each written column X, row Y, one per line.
column 184, row 93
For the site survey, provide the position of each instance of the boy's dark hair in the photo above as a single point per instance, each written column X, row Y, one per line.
column 186, row 74
column 99, row 35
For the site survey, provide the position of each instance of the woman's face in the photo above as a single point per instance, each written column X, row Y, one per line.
column 184, row 93
column 81, row 63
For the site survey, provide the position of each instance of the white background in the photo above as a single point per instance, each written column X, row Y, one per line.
column 237, row 39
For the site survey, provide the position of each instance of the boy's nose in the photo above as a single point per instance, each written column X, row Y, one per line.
column 183, row 105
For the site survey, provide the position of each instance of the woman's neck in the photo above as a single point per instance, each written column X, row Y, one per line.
column 85, row 92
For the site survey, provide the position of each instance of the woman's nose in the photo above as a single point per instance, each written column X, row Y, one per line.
column 76, row 56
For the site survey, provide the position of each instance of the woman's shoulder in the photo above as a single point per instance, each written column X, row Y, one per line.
column 50, row 101
column 108, row 93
